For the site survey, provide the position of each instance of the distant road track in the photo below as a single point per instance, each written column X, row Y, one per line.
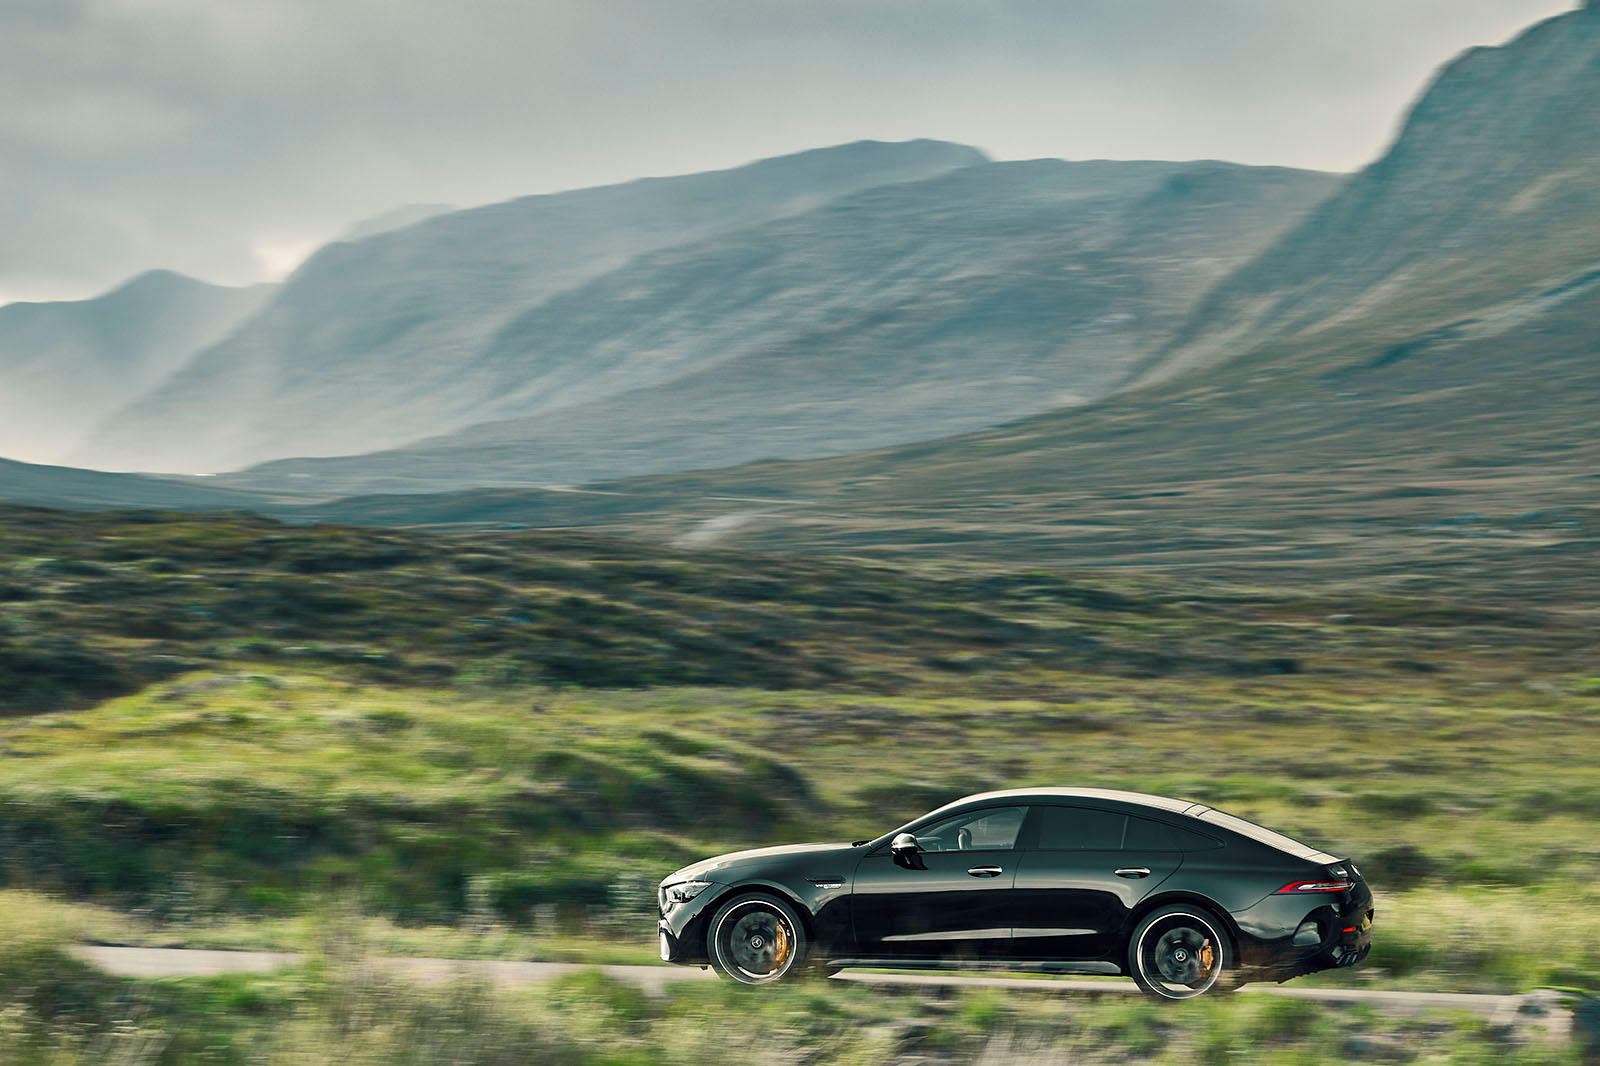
column 1540, row 1008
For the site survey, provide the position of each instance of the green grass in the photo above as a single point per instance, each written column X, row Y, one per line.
column 223, row 732
column 258, row 798
column 100, row 605
column 55, row 1011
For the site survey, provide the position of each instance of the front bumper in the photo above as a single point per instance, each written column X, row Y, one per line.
column 681, row 932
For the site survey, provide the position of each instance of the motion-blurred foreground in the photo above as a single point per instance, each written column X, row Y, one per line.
column 1293, row 515
column 340, row 742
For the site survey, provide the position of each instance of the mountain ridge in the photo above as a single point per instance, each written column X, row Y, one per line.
column 1472, row 202
column 66, row 364
column 357, row 350
column 1439, row 434
column 895, row 313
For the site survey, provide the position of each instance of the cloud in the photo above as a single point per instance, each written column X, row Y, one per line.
column 91, row 122
column 193, row 134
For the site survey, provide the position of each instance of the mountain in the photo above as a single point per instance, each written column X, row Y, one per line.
column 67, row 487
column 65, row 366
column 1488, row 197
column 902, row 312
column 377, row 342
column 393, row 219
column 1401, row 390
column 1470, row 466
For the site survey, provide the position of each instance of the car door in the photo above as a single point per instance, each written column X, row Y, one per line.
column 956, row 904
column 1085, row 870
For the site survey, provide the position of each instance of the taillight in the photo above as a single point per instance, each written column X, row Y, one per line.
column 1296, row 888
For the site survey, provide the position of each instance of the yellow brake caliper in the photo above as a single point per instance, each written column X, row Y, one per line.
column 1208, row 955
column 781, row 948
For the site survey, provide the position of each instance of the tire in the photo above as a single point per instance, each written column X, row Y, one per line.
column 756, row 939
column 1181, row 951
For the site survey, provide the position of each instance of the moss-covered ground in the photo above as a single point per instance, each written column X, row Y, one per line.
column 220, row 731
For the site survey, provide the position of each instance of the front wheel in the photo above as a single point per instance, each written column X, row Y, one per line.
column 756, row 939
column 1180, row 952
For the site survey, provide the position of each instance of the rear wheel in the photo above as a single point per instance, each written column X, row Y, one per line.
column 1180, row 952
column 756, row 939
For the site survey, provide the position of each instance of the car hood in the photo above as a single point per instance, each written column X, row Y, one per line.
column 743, row 863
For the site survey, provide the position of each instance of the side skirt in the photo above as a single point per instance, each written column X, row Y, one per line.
column 1001, row 965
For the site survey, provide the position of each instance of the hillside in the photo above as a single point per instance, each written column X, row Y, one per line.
column 1489, row 195
column 1444, row 440
column 900, row 313
column 1465, row 463
column 212, row 718
column 65, row 366
column 98, row 604
column 71, row 487
column 372, row 343
column 395, row 218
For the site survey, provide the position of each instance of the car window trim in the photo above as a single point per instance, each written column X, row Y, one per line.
column 1027, row 836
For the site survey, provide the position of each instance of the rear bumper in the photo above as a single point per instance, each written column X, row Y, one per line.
column 1268, row 949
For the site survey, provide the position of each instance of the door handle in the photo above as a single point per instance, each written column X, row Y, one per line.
column 1134, row 871
column 986, row 871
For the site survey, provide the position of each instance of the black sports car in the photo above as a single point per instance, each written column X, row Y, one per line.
column 1179, row 896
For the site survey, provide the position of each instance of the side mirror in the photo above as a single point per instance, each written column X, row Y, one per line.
column 907, row 852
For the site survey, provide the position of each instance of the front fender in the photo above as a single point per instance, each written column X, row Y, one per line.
column 824, row 908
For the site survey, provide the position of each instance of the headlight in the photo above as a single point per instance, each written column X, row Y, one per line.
column 682, row 892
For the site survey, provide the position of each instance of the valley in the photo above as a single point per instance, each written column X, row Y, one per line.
column 548, row 545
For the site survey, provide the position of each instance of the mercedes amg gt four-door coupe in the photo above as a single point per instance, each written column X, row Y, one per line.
column 1179, row 896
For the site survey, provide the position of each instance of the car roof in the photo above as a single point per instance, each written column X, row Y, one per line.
column 1035, row 795
column 1231, row 824
column 1139, row 799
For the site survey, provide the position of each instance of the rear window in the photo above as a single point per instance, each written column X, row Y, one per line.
column 1147, row 835
column 1262, row 835
column 1189, row 840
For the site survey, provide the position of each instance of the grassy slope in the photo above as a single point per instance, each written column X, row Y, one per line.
column 432, row 727
column 98, row 605
column 60, row 1013
column 1469, row 802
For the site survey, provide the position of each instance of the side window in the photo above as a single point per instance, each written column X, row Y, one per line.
column 1079, row 829
column 1145, row 835
column 993, row 829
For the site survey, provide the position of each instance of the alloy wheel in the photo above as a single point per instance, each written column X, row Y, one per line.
column 754, row 942
column 1180, row 956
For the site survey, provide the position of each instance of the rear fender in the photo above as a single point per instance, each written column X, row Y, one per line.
column 1193, row 899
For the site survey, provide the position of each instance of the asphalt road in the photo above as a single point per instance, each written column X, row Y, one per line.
column 1536, row 1008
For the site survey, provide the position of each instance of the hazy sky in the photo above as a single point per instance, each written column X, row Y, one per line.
column 226, row 138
